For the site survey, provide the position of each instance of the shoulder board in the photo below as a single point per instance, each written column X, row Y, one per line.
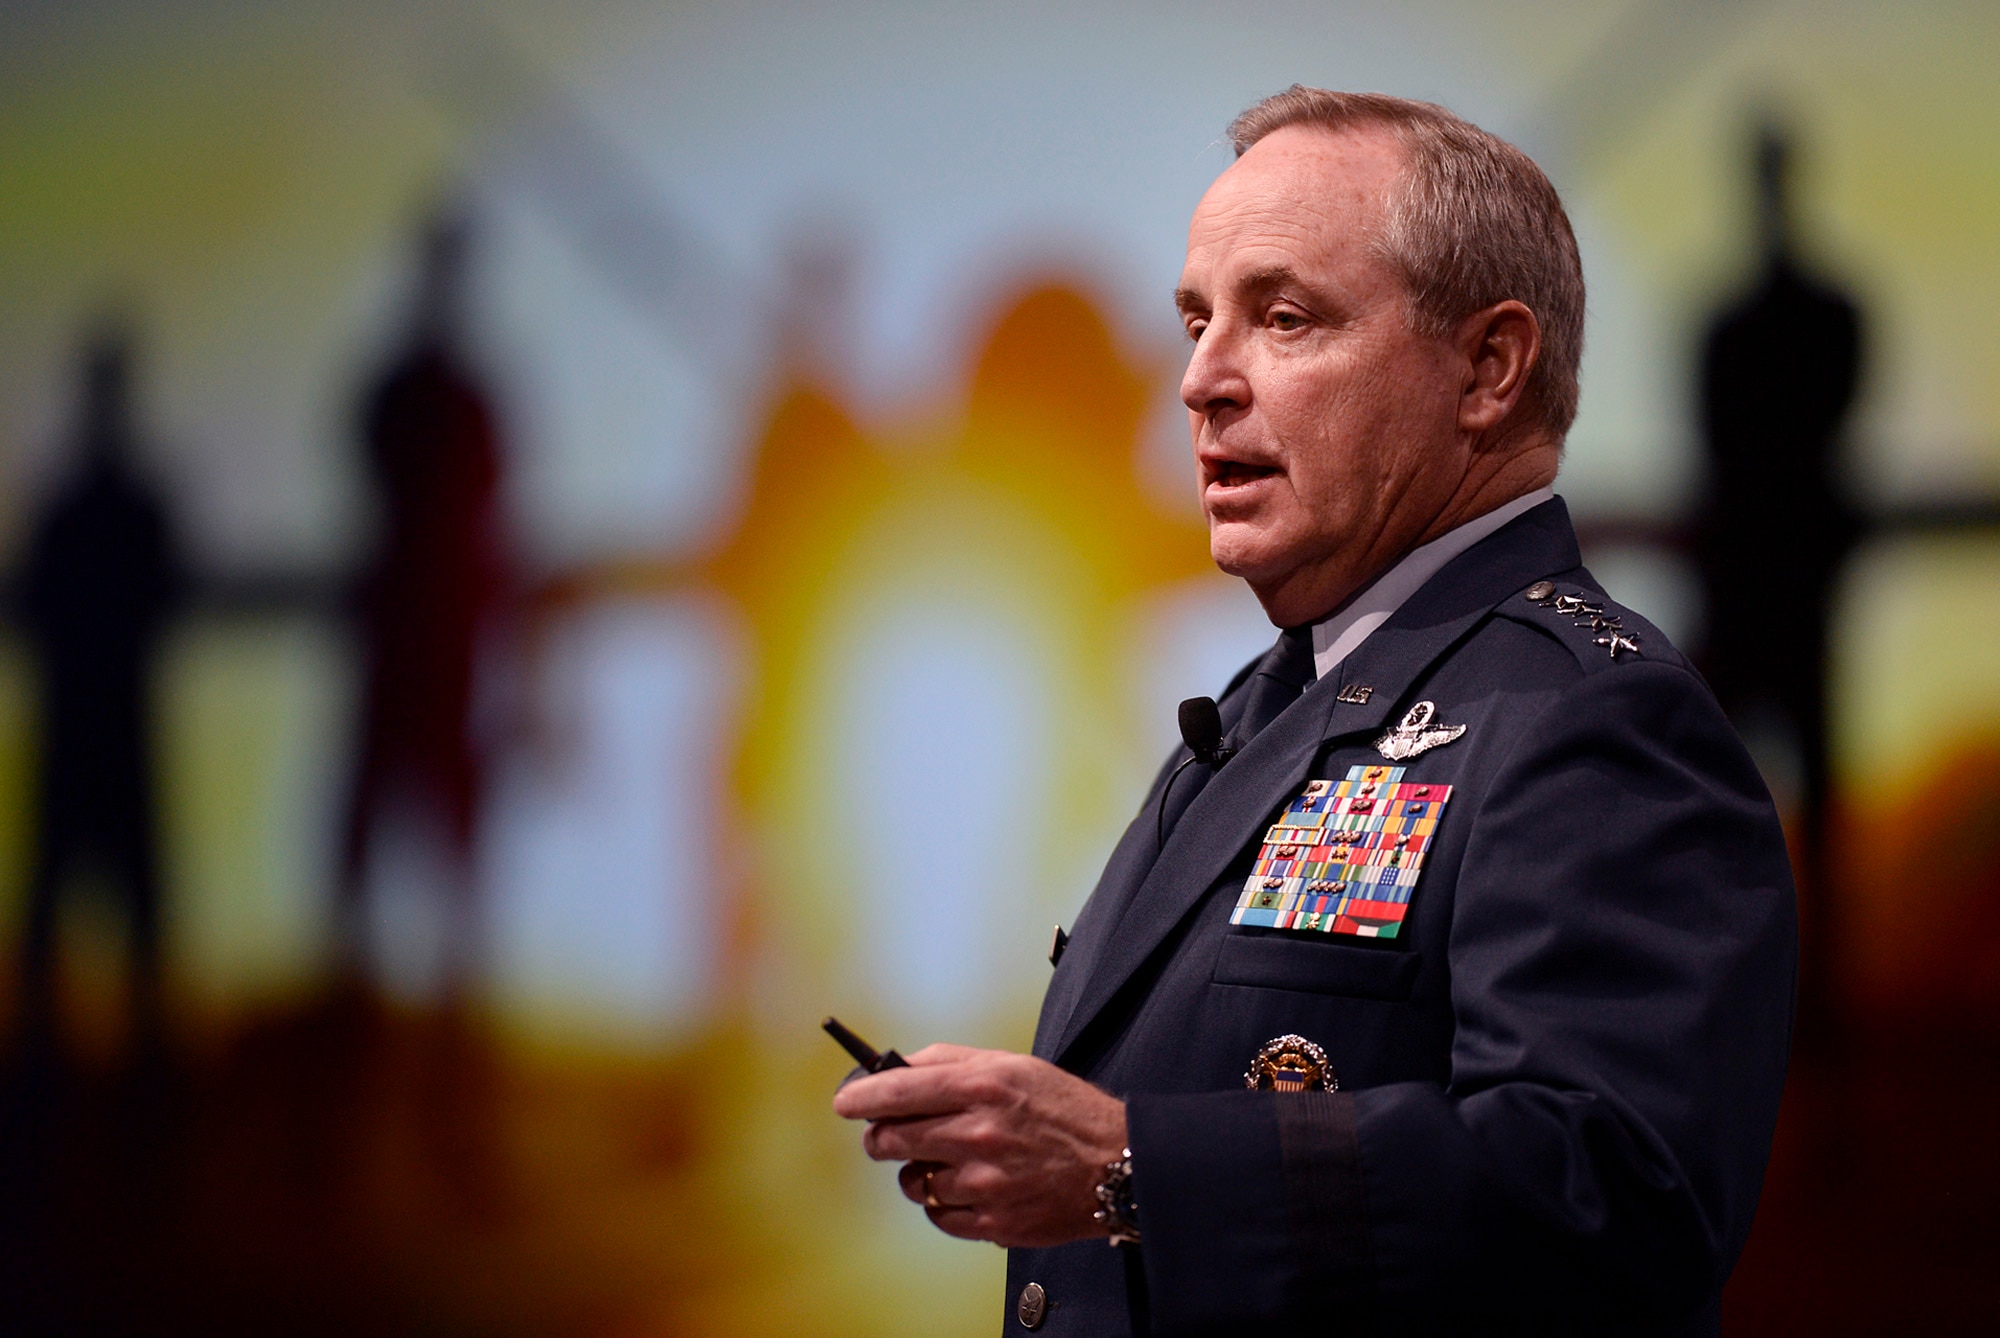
column 1599, row 631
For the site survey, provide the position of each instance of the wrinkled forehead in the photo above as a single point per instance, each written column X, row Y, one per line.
column 1305, row 191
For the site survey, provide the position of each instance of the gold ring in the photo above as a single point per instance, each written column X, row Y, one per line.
column 930, row 1195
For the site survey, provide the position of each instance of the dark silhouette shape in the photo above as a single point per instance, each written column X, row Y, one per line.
column 1778, row 375
column 103, row 577
column 432, row 598
column 437, row 581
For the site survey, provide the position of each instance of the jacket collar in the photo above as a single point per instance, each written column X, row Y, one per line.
column 1239, row 801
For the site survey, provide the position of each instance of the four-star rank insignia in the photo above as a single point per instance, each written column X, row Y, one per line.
column 1343, row 858
column 1608, row 630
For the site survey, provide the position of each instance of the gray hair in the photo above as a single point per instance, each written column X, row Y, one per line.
column 1474, row 223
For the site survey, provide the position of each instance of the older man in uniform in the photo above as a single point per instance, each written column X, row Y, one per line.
column 1456, row 995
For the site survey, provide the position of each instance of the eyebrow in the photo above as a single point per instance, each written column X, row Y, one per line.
column 1269, row 277
column 1266, row 279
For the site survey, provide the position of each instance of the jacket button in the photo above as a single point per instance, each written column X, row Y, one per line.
column 1034, row 1304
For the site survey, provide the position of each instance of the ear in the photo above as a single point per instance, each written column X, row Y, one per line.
column 1499, row 346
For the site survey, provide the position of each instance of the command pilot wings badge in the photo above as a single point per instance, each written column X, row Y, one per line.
column 1416, row 734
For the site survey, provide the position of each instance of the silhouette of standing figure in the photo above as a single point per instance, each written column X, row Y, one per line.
column 437, row 580
column 1778, row 377
column 102, row 579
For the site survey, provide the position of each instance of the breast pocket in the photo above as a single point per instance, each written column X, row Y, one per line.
column 1314, row 966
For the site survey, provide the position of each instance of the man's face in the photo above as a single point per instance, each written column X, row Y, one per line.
column 1325, row 430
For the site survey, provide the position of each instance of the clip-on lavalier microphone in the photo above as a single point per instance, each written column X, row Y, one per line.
column 1201, row 731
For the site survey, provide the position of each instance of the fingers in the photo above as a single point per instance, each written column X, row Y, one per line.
column 933, row 1186
column 938, row 1184
column 902, row 1140
column 940, row 1138
column 997, row 1146
column 944, row 1052
column 913, row 1178
column 941, row 1079
column 863, row 1106
column 964, row 1223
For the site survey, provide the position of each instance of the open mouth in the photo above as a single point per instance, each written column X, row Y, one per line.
column 1234, row 473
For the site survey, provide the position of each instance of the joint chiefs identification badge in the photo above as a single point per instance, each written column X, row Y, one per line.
column 1291, row 1064
column 1343, row 858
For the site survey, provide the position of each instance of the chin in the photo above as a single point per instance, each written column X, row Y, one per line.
column 1243, row 552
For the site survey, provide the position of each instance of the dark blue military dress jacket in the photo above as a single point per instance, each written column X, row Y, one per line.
column 1557, row 1082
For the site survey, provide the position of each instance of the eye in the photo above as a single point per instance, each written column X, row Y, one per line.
column 1288, row 320
column 1194, row 329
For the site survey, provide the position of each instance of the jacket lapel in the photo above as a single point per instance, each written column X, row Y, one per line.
column 1238, row 802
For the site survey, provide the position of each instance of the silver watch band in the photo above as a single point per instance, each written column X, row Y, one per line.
column 1117, row 1212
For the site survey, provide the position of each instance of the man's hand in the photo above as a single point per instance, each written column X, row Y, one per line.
column 997, row 1146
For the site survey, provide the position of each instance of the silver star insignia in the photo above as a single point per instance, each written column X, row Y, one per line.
column 1618, row 641
column 1415, row 734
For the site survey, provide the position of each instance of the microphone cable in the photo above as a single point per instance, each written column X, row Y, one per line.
column 1201, row 731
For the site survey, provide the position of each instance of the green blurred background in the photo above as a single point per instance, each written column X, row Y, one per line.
column 850, row 572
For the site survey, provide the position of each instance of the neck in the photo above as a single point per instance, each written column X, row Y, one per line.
column 1498, row 475
column 1498, row 472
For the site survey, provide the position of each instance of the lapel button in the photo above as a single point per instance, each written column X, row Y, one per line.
column 1034, row 1304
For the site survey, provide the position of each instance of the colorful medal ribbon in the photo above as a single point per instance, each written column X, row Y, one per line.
column 1343, row 858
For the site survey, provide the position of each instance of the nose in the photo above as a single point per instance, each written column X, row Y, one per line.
column 1215, row 379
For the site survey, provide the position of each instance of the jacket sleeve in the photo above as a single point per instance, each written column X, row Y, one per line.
column 1622, row 954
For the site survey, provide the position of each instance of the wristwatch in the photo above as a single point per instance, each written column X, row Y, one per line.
column 1117, row 1212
